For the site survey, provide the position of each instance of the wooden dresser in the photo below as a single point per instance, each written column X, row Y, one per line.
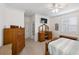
column 42, row 35
column 16, row 37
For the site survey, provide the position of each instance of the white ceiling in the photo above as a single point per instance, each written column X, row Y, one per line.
column 43, row 8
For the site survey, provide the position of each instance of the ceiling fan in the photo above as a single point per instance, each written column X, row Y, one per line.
column 56, row 7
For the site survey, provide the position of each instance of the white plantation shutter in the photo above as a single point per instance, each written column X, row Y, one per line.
column 69, row 25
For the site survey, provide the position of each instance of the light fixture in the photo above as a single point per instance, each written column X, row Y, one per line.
column 56, row 7
column 55, row 10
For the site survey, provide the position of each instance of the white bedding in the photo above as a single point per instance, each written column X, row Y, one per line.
column 64, row 46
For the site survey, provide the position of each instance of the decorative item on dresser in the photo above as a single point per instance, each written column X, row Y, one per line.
column 16, row 37
column 44, row 33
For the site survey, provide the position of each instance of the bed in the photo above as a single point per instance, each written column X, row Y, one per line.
column 64, row 46
column 6, row 49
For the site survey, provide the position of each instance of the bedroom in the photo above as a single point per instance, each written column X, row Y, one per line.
column 62, row 19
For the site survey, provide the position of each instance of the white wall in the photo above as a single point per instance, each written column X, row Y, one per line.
column 9, row 16
column 53, row 21
column 58, row 19
column 14, row 17
column 1, row 23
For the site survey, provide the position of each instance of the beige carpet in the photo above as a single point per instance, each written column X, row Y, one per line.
column 33, row 48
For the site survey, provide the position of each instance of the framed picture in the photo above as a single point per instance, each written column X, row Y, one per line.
column 56, row 27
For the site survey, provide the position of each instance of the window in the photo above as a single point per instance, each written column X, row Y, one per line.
column 69, row 25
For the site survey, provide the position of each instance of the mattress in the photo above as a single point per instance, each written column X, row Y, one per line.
column 6, row 49
column 63, row 46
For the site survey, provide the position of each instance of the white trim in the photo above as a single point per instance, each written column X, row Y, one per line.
column 65, row 12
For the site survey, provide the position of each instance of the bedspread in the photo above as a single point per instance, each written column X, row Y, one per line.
column 63, row 46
